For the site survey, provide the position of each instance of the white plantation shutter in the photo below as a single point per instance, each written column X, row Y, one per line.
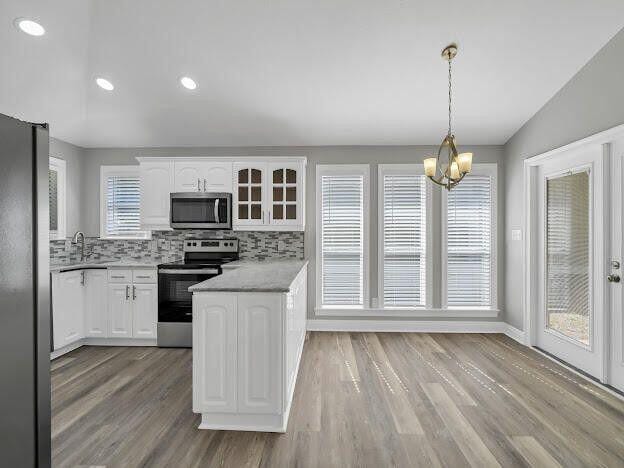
column 470, row 208
column 122, row 200
column 404, row 228
column 342, row 239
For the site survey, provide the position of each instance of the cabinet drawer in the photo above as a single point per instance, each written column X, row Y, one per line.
column 144, row 276
column 119, row 276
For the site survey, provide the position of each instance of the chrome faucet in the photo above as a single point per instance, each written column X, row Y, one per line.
column 80, row 235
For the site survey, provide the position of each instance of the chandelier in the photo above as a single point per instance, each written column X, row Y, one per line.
column 449, row 167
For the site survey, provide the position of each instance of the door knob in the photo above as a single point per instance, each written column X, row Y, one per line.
column 613, row 278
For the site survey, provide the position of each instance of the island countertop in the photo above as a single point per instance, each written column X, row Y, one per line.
column 250, row 276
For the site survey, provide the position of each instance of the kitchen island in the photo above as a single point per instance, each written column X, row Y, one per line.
column 248, row 334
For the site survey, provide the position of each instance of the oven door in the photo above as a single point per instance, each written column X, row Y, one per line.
column 175, row 302
column 199, row 210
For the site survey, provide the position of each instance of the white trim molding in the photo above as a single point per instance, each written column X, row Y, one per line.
column 515, row 334
column 406, row 312
column 420, row 326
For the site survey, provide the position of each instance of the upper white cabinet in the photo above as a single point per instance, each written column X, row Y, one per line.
column 202, row 176
column 268, row 194
column 157, row 183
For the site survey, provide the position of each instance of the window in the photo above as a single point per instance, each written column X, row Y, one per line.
column 342, row 235
column 120, row 203
column 470, row 231
column 56, row 190
column 402, row 235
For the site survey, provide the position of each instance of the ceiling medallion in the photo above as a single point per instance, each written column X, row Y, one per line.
column 449, row 167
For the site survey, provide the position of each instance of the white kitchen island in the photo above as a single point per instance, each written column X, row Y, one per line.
column 248, row 334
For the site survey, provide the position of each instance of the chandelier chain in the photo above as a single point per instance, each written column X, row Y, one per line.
column 450, row 97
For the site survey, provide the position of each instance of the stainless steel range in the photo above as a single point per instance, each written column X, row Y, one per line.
column 202, row 260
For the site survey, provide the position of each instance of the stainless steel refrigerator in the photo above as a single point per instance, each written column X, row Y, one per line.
column 24, row 294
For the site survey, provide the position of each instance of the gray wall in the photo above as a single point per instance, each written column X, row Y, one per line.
column 316, row 155
column 74, row 157
column 592, row 101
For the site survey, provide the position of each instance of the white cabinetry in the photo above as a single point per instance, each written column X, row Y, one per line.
column 67, row 308
column 157, row 183
column 268, row 194
column 101, row 305
column 199, row 175
column 120, row 310
column 145, row 310
column 96, row 303
column 246, row 351
column 215, row 313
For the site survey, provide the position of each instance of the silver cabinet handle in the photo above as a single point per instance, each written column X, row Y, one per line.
column 82, row 278
column 269, row 216
column 143, row 276
column 133, row 293
column 117, row 277
column 198, row 188
column 262, row 216
column 204, row 185
column 127, row 292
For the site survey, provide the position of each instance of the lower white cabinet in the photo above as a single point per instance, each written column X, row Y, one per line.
column 68, row 308
column 144, row 310
column 96, row 303
column 120, row 310
column 246, row 351
column 104, row 303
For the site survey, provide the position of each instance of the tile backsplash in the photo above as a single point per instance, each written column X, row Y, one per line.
column 167, row 246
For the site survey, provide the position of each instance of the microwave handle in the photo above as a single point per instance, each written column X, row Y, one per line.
column 216, row 211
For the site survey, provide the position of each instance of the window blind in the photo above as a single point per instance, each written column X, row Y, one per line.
column 342, row 237
column 404, row 211
column 469, row 242
column 123, row 199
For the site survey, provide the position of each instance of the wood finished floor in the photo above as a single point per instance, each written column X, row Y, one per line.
column 362, row 399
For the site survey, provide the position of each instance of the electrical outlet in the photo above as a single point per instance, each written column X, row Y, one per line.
column 516, row 234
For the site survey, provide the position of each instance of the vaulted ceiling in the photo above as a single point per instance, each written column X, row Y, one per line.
column 292, row 72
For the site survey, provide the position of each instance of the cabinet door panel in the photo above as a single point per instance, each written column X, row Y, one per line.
column 120, row 310
column 96, row 303
column 156, row 185
column 145, row 310
column 249, row 195
column 214, row 353
column 68, row 308
column 260, row 353
column 218, row 176
column 189, row 176
column 285, row 194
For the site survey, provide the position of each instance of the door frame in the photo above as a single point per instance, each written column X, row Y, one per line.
column 530, row 223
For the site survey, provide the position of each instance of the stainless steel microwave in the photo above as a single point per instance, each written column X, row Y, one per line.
column 201, row 210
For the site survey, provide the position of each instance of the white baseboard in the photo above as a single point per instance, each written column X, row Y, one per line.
column 422, row 326
column 515, row 334
column 101, row 342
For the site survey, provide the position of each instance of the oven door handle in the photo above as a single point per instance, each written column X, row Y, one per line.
column 211, row 271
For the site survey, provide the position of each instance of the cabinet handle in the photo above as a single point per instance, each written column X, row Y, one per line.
column 127, row 292
column 204, row 185
column 269, row 216
column 198, row 188
column 133, row 293
column 262, row 216
column 82, row 278
column 117, row 277
column 143, row 276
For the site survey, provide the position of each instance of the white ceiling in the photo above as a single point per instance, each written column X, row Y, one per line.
column 292, row 72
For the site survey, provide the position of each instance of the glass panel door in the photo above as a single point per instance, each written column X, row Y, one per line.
column 284, row 192
column 568, row 280
column 249, row 194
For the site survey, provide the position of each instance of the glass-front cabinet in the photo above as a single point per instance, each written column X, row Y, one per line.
column 249, row 194
column 269, row 194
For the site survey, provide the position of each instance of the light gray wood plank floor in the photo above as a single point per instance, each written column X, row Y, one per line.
column 362, row 399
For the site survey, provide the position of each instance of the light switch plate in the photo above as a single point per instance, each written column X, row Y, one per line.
column 516, row 234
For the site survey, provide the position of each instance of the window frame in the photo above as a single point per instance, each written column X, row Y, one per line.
column 122, row 171
column 402, row 169
column 483, row 169
column 344, row 169
column 60, row 166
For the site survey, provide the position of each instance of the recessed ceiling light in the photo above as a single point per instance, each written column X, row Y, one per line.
column 104, row 84
column 188, row 83
column 30, row 27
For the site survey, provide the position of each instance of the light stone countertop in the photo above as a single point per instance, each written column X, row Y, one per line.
column 103, row 264
column 250, row 276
